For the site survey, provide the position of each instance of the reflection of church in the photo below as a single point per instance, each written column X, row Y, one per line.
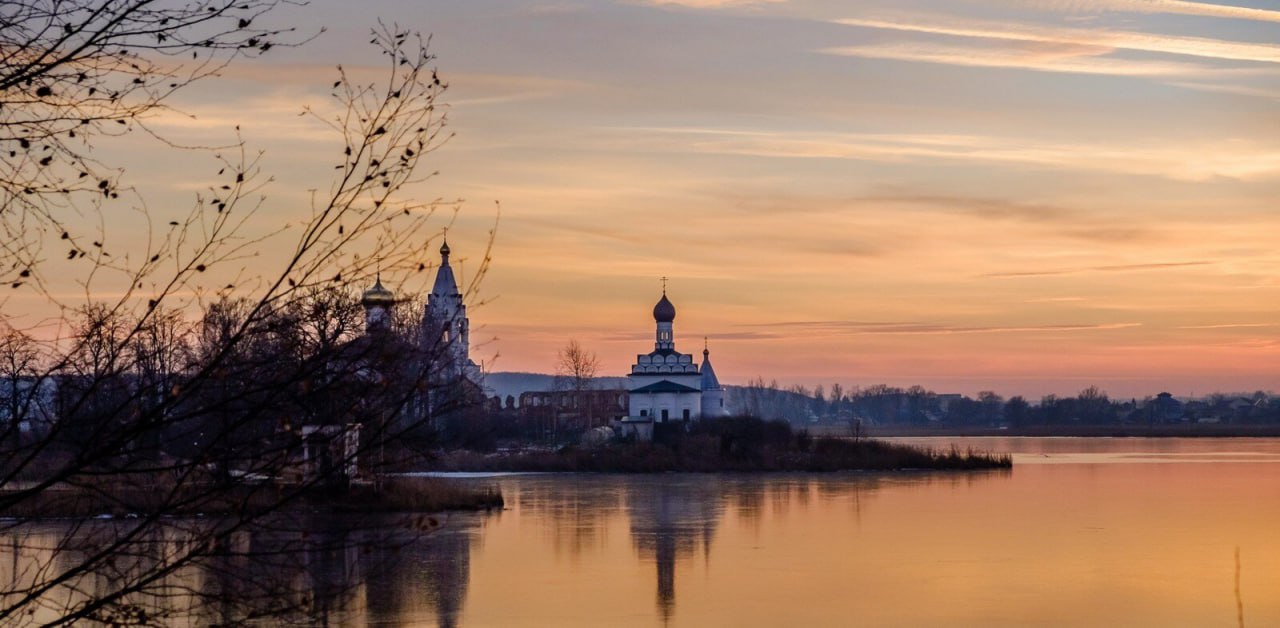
column 671, row 523
column 667, row 385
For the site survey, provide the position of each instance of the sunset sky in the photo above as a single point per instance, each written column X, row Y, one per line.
column 1025, row 196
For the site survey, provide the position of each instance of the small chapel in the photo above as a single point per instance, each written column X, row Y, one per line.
column 667, row 385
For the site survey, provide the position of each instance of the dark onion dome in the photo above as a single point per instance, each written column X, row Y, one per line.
column 378, row 295
column 444, row 249
column 664, row 311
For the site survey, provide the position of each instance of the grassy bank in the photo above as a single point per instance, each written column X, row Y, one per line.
column 736, row 444
column 414, row 495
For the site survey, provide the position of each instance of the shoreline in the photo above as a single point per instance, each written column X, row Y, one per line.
column 1081, row 431
column 419, row 495
column 726, row 455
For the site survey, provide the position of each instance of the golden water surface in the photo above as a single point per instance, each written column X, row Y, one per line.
column 1098, row 532
column 1081, row 532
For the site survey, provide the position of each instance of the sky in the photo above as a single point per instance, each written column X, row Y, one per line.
column 1023, row 196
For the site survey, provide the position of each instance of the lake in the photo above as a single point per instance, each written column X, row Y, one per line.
column 1081, row 532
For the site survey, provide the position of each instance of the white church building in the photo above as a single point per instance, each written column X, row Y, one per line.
column 667, row 385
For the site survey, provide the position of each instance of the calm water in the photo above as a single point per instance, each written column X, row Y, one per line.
column 1115, row 532
column 1096, row 532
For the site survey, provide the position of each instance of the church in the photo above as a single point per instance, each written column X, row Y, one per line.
column 451, row 378
column 667, row 385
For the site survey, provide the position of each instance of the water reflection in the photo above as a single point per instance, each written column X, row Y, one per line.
column 427, row 578
column 574, row 519
column 670, row 522
column 1067, row 544
column 316, row 570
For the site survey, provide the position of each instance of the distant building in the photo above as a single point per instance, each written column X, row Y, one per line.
column 667, row 385
column 445, row 331
column 1166, row 409
column 434, row 358
column 446, row 327
column 575, row 409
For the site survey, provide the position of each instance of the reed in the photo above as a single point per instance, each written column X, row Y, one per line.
column 738, row 444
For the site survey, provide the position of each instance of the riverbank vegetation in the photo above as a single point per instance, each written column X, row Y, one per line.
column 737, row 444
column 117, row 498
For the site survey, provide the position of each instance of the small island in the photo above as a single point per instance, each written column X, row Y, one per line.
column 724, row 444
column 671, row 417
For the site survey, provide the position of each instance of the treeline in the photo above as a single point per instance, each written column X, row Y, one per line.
column 233, row 390
column 159, row 399
column 917, row 406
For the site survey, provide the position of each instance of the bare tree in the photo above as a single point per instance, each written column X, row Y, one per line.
column 837, row 399
column 574, row 371
column 24, row 406
column 576, row 367
column 238, row 402
column 73, row 71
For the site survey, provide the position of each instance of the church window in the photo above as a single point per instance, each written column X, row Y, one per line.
column 644, row 413
column 665, row 414
column 686, row 414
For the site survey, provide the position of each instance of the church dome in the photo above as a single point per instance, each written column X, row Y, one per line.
column 664, row 311
column 378, row 295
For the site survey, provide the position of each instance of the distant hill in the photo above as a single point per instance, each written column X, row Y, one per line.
column 504, row 383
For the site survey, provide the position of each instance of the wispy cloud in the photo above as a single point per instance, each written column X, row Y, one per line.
column 915, row 328
column 1096, row 38
column 713, row 4
column 1114, row 268
column 1038, row 57
column 1177, row 7
column 1231, row 326
column 1235, row 159
column 982, row 207
column 1045, row 220
column 1237, row 90
column 639, row 338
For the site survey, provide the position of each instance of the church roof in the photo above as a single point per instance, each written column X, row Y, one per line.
column 378, row 295
column 445, row 284
column 709, row 379
column 664, row 352
column 664, row 386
